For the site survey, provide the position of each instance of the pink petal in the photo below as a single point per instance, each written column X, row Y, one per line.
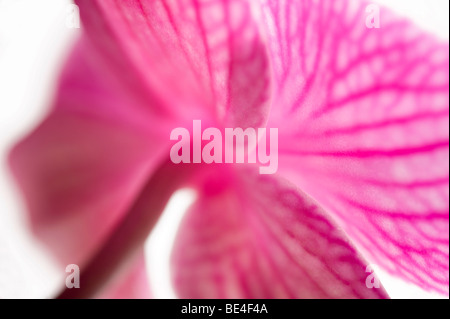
column 258, row 237
column 83, row 166
column 364, row 128
column 132, row 284
column 201, row 58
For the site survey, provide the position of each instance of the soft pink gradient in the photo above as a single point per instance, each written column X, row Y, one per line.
column 363, row 133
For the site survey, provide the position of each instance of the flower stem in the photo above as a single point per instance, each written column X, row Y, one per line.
column 122, row 248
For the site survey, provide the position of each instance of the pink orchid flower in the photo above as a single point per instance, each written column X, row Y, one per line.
column 363, row 172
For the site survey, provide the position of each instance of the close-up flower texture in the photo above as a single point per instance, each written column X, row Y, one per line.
column 355, row 106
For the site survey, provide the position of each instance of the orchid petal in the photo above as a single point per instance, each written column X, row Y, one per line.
column 201, row 58
column 258, row 237
column 86, row 162
column 364, row 128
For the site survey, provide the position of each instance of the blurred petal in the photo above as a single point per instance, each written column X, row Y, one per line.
column 258, row 237
column 126, row 242
column 83, row 166
column 364, row 128
column 202, row 57
column 133, row 283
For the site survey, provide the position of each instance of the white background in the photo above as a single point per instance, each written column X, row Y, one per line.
column 34, row 39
